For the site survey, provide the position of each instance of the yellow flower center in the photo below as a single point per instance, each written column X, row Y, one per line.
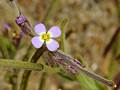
column 46, row 37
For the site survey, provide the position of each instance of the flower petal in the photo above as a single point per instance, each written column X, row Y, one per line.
column 40, row 28
column 37, row 42
column 55, row 31
column 52, row 45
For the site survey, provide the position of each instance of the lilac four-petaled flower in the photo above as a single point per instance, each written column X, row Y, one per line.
column 46, row 37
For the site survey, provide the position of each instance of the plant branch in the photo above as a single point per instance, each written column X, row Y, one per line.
column 20, row 65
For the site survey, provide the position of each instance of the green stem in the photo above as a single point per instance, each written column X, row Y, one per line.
column 50, row 11
column 26, row 74
column 28, row 54
column 20, row 65
column 63, row 25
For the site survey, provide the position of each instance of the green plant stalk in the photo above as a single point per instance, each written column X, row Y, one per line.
column 63, row 25
column 28, row 54
column 50, row 11
column 15, row 64
column 26, row 74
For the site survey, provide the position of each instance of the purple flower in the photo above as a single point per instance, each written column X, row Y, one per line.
column 24, row 24
column 21, row 19
column 46, row 37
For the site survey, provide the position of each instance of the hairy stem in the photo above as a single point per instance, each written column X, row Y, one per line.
column 20, row 65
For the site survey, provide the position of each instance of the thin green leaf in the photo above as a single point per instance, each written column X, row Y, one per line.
column 87, row 83
column 3, row 47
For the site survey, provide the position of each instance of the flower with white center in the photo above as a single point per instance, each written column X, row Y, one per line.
column 46, row 37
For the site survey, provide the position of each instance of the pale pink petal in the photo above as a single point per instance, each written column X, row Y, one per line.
column 54, row 31
column 52, row 45
column 40, row 28
column 37, row 43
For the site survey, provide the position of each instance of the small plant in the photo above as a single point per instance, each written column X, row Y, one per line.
column 43, row 44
